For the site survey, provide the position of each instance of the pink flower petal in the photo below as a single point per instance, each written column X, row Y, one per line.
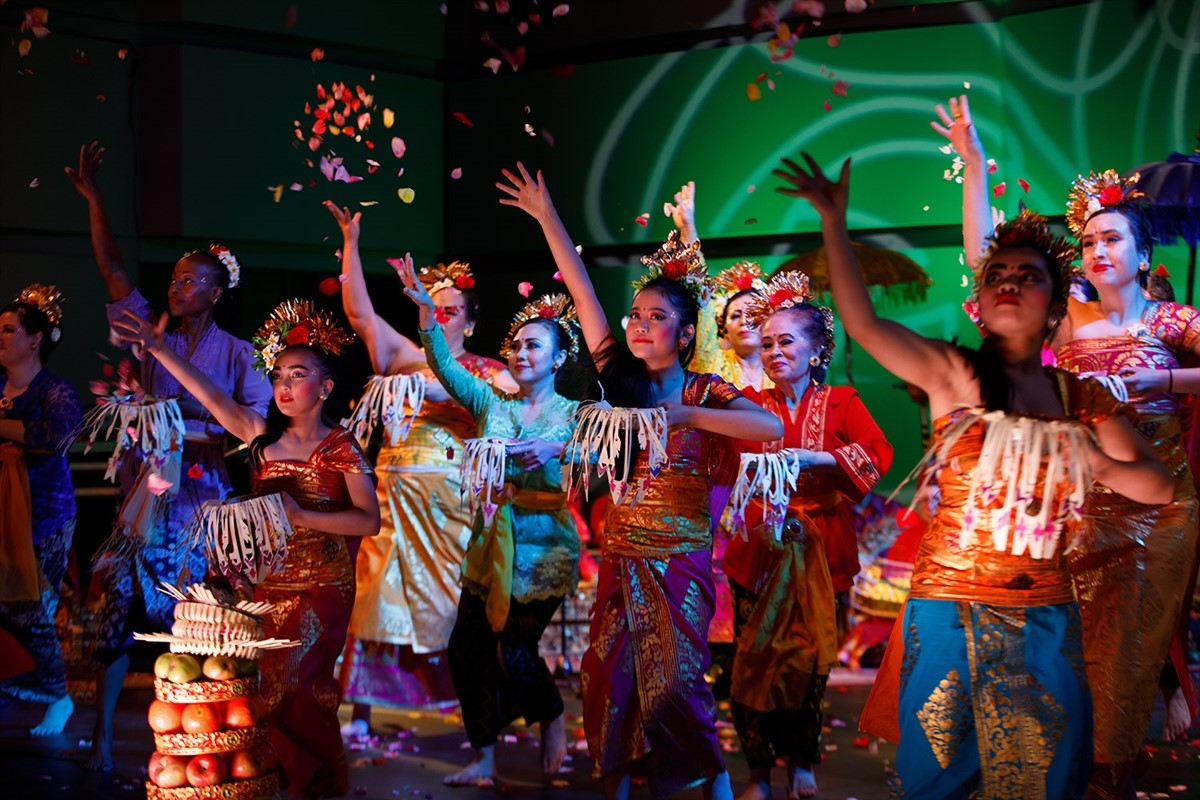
column 560, row 10
column 999, row 188
column 524, row 288
column 456, row 173
column 398, row 147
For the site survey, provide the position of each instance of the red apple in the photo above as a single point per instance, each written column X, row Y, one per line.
column 220, row 668
column 244, row 712
column 203, row 717
column 207, row 769
column 169, row 772
column 165, row 717
column 246, row 764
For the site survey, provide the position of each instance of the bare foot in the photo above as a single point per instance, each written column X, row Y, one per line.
column 480, row 772
column 756, row 790
column 1176, row 718
column 804, row 783
column 57, row 714
column 554, row 745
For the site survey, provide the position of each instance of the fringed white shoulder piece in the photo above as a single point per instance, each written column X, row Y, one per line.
column 482, row 469
column 771, row 476
column 391, row 400
column 606, row 433
column 1114, row 384
column 247, row 537
column 1038, row 472
column 154, row 423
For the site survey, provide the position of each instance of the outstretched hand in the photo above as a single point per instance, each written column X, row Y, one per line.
column 534, row 453
column 91, row 156
column 957, row 127
column 348, row 222
column 828, row 198
column 138, row 330
column 683, row 211
column 413, row 287
column 526, row 192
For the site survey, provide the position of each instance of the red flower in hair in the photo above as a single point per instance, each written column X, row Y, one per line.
column 1161, row 271
column 780, row 296
column 297, row 335
column 1111, row 195
column 463, row 282
column 744, row 281
column 674, row 269
column 546, row 312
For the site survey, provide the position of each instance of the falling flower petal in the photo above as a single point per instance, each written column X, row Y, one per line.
column 276, row 191
column 840, row 88
column 124, row 51
column 522, row 27
column 999, row 188
column 389, row 117
column 524, row 288
column 456, row 173
column 827, row 105
column 855, row 6
column 368, row 203
column 406, row 194
column 329, row 286
column 558, row 276
column 23, row 47
column 991, row 162
column 493, row 64
column 101, row 98
column 835, row 40
column 966, row 84
column 1024, row 184
column 548, row 137
column 295, row 187
column 372, row 166
column 398, row 147
column 317, row 54
column 529, row 129
column 33, row 184
column 560, row 10
column 461, row 117
column 771, row 84
column 753, row 92
column 563, row 71
column 1161, row 271
column 751, row 221
column 195, row 472
column 363, row 120
column 750, row 189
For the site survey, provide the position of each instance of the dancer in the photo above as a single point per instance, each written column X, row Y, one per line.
column 408, row 574
column 147, row 550
column 1132, row 571
column 780, row 574
column 523, row 558
column 992, row 693
column 646, row 704
column 328, row 493
column 38, row 413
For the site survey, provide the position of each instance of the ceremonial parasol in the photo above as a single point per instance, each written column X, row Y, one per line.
column 900, row 276
column 1172, row 189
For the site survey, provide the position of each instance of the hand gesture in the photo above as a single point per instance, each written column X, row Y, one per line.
column 829, row 199
column 534, row 453
column 526, row 193
column 678, row 415
column 1140, row 380
column 137, row 330
column 683, row 211
column 412, row 284
column 956, row 126
column 295, row 513
column 91, row 156
column 347, row 222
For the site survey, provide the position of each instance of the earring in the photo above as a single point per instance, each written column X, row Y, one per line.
column 814, row 361
column 323, row 395
column 1144, row 266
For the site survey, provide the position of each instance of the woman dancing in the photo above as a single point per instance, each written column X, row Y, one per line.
column 784, row 607
column 646, row 703
column 329, row 495
column 146, row 550
column 523, row 557
column 992, row 692
column 38, row 412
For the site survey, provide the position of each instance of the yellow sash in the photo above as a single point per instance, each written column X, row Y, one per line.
column 20, row 577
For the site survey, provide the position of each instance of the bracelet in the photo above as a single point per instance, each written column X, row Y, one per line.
column 1170, row 380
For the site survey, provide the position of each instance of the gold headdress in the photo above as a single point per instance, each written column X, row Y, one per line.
column 443, row 276
column 741, row 277
column 1031, row 230
column 681, row 263
column 790, row 290
column 555, row 308
column 1096, row 192
column 225, row 256
column 296, row 323
column 48, row 300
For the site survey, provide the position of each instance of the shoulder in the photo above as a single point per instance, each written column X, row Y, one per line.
column 341, row 451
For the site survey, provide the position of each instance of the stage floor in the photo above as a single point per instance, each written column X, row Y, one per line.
column 411, row 752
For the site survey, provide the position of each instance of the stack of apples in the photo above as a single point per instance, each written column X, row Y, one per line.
column 209, row 730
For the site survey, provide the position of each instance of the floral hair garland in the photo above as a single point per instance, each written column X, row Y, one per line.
column 681, row 263
column 1031, row 230
column 1098, row 192
column 456, row 274
column 225, row 256
column 790, row 290
column 741, row 277
column 48, row 299
column 555, row 308
column 296, row 323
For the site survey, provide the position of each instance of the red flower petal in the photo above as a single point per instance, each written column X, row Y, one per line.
column 1111, row 195
column 297, row 336
column 1024, row 184
column 461, row 117
column 195, row 472
column 329, row 286
column 999, row 188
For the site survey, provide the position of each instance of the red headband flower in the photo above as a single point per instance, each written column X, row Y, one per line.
column 297, row 336
column 464, row 282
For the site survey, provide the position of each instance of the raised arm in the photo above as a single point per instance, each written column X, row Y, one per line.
column 683, row 212
column 104, row 245
column 242, row 422
column 533, row 197
column 913, row 358
column 977, row 210
column 386, row 346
